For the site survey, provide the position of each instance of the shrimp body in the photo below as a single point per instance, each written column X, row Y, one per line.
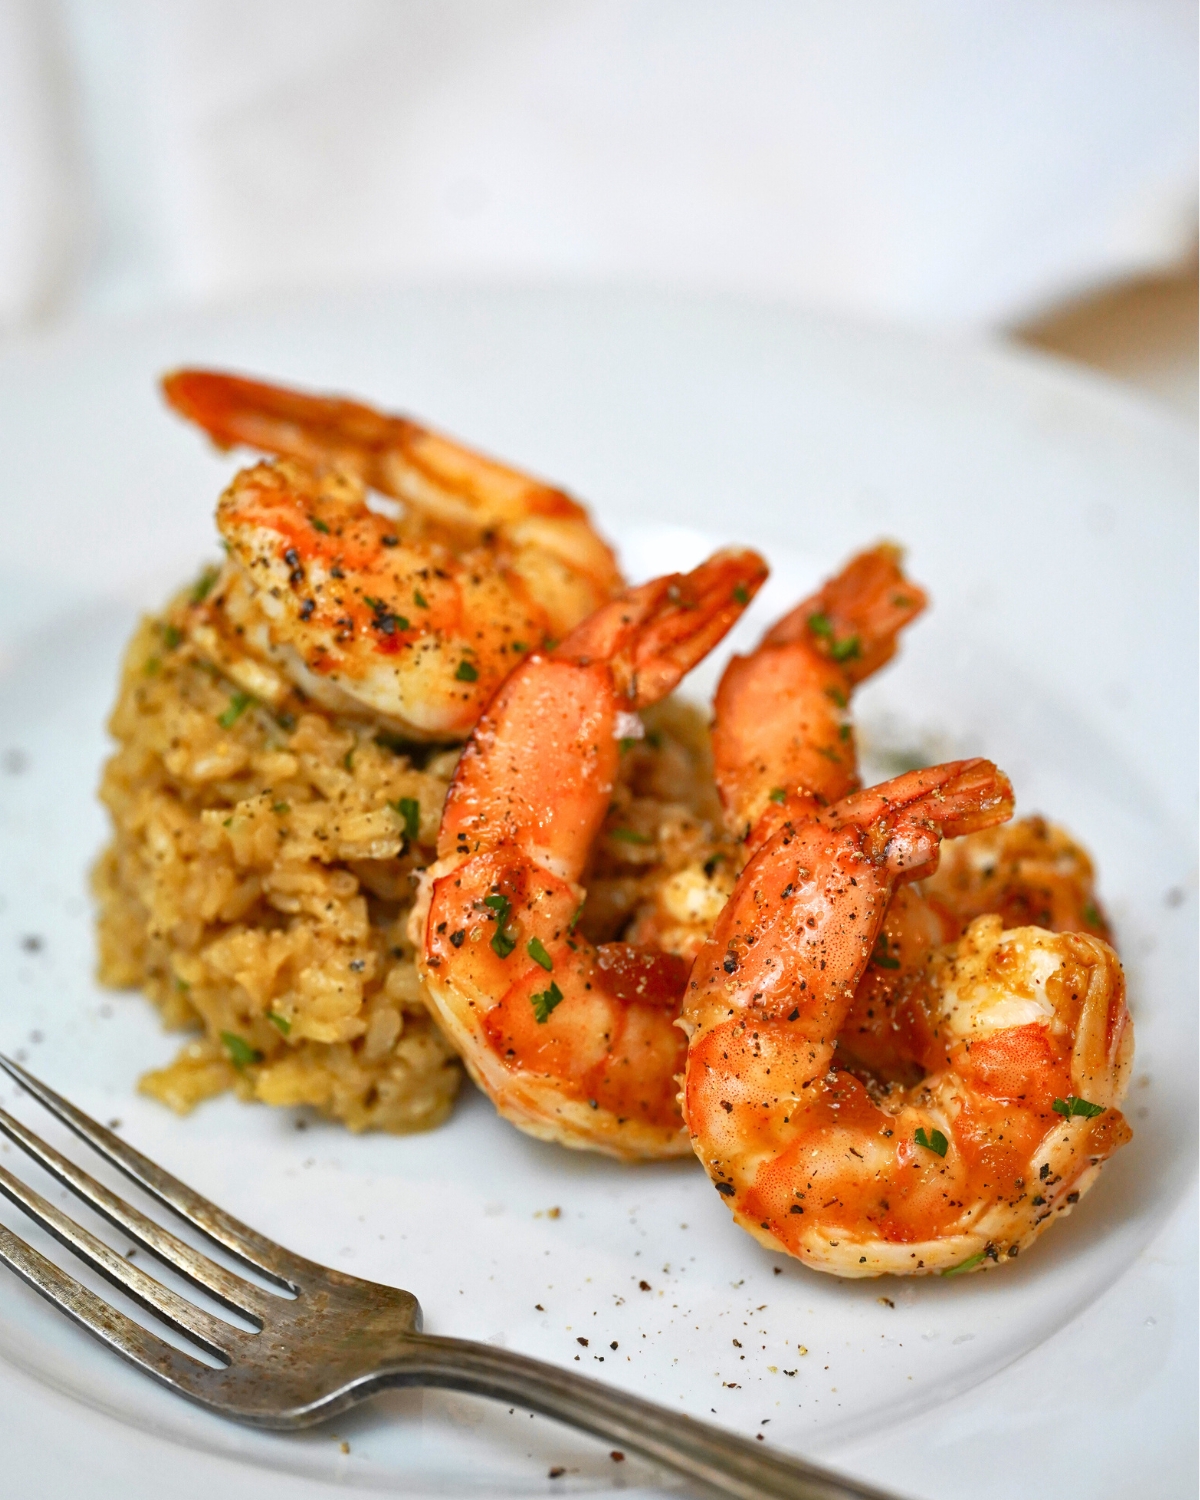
column 781, row 720
column 416, row 618
column 1026, row 1053
column 573, row 1042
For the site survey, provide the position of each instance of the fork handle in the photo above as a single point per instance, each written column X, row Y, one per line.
column 724, row 1462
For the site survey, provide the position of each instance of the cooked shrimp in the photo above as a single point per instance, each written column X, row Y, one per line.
column 782, row 721
column 782, row 726
column 416, row 619
column 1028, row 873
column 573, row 1042
column 1017, row 1109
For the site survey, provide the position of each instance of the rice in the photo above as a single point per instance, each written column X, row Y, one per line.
column 264, row 863
column 257, row 888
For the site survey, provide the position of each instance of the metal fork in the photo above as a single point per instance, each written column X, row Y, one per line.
column 331, row 1340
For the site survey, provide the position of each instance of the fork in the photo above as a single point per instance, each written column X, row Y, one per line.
column 327, row 1341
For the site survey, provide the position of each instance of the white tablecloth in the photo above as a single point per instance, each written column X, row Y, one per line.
column 957, row 162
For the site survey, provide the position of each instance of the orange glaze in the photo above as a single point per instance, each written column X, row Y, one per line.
column 573, row 1042
column 414, row 617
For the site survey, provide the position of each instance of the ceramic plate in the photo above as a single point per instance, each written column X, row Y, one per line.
column 1051, row 517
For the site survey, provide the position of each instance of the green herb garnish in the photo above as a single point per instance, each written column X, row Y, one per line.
column 152, row 666
column 410, row 810
column 238, row 704
column 281, row 1022
column 241, row 1053
column 545, row 1002
column 965, row 1265
column 741, row 594
column 502, row 945
column 821, row 625
column 319, row 525
column 203, row 586
column 1074, row 1105
column 1091, row 915
column 420, row 600
column 466, row 672
column 630, row 836
column 281, row 807
column 935, row 1141
column 537, row 952
column 778, row 794
column 172, row 635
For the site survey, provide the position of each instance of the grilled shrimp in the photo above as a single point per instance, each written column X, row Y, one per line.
column 573, row 1042
column 415, row 618
column 1028, row 873
column 782, row 727
column 1025, row 1056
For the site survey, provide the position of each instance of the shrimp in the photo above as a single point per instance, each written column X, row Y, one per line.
column 1028, row 873
column 416, row 619
column 573, row 1042
column 782, row 726
column 1029, row 1055
column 781, row 720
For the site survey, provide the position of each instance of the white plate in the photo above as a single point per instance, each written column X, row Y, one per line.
column 1052, row 518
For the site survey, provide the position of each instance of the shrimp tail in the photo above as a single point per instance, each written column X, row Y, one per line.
column 857, row 616
column 653, row 635
column 236, row 412
column 959, row 797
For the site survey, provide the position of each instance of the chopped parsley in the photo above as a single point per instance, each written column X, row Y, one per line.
column 385, row 619
column 630, row 836
column 1074, row 1105
column 778, row 794
column 241, row 1053
column 410, row 810
column 1091, row 915
column 935, row 1141
column 741, row 594
column 966, row 1265
column 319, row 525
column 466, row 672
column 392, row 742
column 626, row 745
column 281, row 807
column 502, row 944
column 844, row 650
column 281, row 1022
column 882, row 958
column 420, row 600
column 203, row 586
column 172, row 635
column 152, row 666
column 537, row 952
column 544, row 1002
column 238, row 704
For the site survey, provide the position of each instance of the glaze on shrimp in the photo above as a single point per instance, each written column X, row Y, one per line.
column 573, row 1042
column 1027, row 1054
column 414, row 618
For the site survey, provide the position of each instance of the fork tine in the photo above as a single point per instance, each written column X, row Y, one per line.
column 209, row 1332
column 110, row 1326
column 236, row 1294
column 254, row 1249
